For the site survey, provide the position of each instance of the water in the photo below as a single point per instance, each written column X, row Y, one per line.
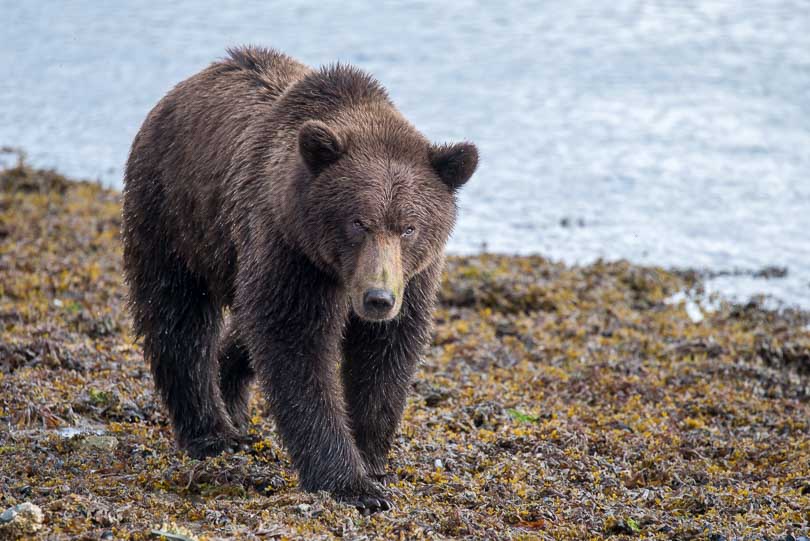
column 664, row 132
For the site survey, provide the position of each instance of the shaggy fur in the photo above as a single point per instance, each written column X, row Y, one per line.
column 287, row 194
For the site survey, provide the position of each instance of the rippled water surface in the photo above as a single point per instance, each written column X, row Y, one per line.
column 674, row 133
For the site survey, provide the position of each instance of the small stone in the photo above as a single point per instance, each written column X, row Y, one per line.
column 21, row 520
column 104, row 443
column 309, row 510
column 435, row 398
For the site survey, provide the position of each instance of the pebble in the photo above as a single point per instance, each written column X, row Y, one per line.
column 105, row 443
column 21, row 520
column 309, row 511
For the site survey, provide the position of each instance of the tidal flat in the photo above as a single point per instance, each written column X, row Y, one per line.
column 556, row 402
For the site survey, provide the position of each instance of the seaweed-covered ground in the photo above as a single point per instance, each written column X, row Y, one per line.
column 556, row 403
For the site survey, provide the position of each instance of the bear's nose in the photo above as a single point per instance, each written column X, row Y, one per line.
column 378, row 300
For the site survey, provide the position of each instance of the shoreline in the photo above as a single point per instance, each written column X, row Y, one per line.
column 773, row 285
column 558, row 402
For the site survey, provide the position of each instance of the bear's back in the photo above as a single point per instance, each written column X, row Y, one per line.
column 181, row 160
column 270, row 71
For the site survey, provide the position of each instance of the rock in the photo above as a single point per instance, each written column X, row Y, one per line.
column 433, row 395
column 771, row 272
column 21, row 520
column 173, row 532
column 435, row 398
column 94, row 441
column 309, row 511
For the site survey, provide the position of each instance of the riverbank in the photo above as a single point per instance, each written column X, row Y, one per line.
column 555, row 403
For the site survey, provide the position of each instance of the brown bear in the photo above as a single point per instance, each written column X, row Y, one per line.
column 305, row 203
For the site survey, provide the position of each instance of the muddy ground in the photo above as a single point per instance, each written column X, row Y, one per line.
column 555, row 403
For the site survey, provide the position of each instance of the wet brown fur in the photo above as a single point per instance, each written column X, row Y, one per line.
column 244, row 189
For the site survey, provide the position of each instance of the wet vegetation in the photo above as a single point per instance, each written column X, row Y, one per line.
column 556, row 403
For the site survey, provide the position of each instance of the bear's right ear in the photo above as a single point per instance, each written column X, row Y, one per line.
column 319, row 145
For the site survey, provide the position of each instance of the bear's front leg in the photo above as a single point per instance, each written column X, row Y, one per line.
column 291, row 317
column 379, row 362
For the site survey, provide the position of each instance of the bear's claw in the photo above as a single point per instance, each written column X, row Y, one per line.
column 368, row 498
column 384, row 478
column 207, row 446
column 368, row 505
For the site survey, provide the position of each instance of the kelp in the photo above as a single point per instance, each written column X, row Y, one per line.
column 555, row 402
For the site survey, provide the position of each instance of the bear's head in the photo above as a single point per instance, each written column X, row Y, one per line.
column 378, row 203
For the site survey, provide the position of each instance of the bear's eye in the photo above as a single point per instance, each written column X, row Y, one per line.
column 410, row 230
column 358, row 225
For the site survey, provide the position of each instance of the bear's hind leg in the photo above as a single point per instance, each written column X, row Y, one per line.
column 236, row 374
column 180, row 323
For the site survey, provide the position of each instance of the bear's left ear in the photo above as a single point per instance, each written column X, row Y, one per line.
column 319, row 145
column 454, row 164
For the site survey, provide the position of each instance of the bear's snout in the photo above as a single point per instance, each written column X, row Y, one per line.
column 378, row 284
